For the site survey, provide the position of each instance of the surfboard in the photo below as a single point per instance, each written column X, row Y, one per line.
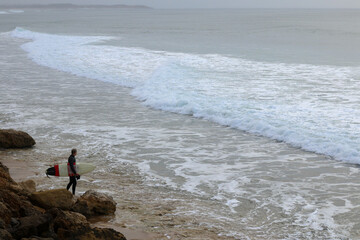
column 61, row 170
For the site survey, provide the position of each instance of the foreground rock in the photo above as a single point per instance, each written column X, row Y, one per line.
column 20, row 219
column 56, row 198
column 92, row 203
column 13, row 200
column 29, row 186
column 35, row 225
column 72, row 225
column 10, row 138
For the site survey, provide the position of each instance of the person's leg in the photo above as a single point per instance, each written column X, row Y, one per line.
column 74, row 185
column 69, row 184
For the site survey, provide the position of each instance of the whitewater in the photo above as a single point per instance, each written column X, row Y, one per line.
column 313, row 107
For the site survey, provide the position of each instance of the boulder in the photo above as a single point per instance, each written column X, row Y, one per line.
column 20, row 219
column 2, row 223
column 72, row 225
column 14, row 205
column 92, row 203
column 10, row 138
column 5, row 178
column 104, row 234
column 29, row 186
column 37, row 238
column 34, row 225
column 56, row 198
column 5, row 213
column 5, row 235
column 67, row 219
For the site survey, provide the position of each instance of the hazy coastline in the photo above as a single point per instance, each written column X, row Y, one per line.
column 70, row 6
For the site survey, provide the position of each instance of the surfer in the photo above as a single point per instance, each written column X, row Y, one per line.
column 72, row 171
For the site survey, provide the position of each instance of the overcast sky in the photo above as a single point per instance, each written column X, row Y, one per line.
column 209, row 3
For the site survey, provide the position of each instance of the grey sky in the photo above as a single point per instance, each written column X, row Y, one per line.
column 209, row 3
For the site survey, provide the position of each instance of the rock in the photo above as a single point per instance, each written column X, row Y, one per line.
column 71, row 225
column 5, row 235
column 29, row 186
column 20, row 219
column 10, row 138
column 56, row 198
column 13, row 203
column 34, row 225
column 5, row 213
column 2, row 224
column 14, row 223
column 69, row 220
column 92, row 203
column 14, row 206
column 105, row 234
column 5, row 178
column 37, row 238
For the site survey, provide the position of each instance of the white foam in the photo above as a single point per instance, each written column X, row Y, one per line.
column 11, row 11
column 16, row 11
column 312, row 107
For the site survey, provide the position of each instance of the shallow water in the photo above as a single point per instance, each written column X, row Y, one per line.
column 234, row 183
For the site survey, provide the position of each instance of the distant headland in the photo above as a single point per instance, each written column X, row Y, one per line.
column 69, row 5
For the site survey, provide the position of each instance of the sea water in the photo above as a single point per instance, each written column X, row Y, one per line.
column 278, row 90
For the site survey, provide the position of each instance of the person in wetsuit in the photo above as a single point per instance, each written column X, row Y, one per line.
column 72, row 171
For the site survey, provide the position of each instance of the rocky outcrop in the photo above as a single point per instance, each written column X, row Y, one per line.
column 5, row 235
column 10, row 138
column 72, row 225
column 56, row 198
column 29, row 186
column 92, row 203
column 5, row 179
column 35, row 225
column 20, row 219
column 13, row 200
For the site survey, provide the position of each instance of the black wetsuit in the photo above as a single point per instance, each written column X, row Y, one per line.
column 72, row 182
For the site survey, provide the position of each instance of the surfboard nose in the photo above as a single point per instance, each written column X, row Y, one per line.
column 50, row 171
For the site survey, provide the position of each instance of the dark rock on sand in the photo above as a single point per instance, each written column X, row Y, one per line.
column 56, row 198
column 92, row 203
column 10, row 138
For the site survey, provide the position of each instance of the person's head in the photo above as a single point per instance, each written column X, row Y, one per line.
column 73, row 151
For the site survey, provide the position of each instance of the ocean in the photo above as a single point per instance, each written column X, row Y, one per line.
column 246, row 121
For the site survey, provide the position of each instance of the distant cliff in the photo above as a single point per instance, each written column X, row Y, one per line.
column 70, row 6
